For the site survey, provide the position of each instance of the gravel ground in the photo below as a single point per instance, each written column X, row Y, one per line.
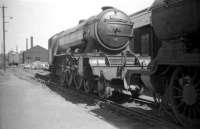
column 26, row 104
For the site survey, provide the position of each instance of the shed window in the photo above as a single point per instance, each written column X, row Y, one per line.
column 37, row 58
column 145, row 44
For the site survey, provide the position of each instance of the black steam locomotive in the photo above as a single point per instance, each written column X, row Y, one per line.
column 95, row 56
column 170, row 38
column 176, row 68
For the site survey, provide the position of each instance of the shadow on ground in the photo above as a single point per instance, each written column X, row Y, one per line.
column 90, row 104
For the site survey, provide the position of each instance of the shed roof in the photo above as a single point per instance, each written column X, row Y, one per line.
column 36, row 47
column 141, row 18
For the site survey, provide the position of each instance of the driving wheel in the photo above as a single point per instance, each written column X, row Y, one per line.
column 185, row 95
column 78, row 81
column 69, row 78
column 88, row 84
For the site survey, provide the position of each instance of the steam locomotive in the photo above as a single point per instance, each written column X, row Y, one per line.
column 173, row 75
column 91, row 55
column 96, row 56
column 175, row 70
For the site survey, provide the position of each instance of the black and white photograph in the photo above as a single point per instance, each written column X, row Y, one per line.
column 99, row 64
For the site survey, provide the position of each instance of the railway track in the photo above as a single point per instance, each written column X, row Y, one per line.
column 148, row 118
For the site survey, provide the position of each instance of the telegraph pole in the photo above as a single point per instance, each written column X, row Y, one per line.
column 4, row 45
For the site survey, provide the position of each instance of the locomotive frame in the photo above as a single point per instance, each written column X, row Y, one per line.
column 92, row 53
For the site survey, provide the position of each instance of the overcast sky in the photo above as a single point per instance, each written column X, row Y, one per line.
column 43, row 18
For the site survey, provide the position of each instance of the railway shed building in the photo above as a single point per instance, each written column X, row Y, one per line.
column 145, row 41
column 36, row 53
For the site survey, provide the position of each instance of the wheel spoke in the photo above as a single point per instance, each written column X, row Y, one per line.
column 178, row 97
column 69, row 78
column 179, row 89
column 198, row 90
column 77, row 81
column 80, row 83
column 180, row 104
column 88, row 86
column 193, row 115
column 185, row 109
column 197, row 110
column 194, row 77
column 198, row 99
column 197, row 85
column 190, row 110
column 180, row 83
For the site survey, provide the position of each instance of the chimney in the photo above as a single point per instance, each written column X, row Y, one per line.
column 26, row 44
column 16, row 48
column 31, row 41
